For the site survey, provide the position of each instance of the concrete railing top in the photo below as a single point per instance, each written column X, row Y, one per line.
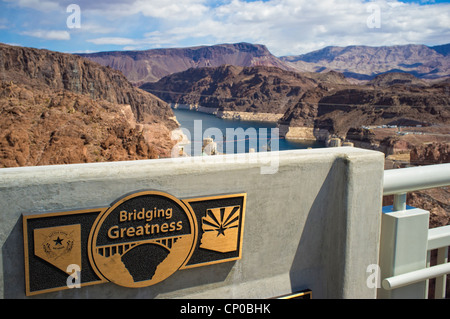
column 268, row 162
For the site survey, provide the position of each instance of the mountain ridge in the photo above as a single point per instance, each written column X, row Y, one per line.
column 355, row 61
column 151, row 65
column 366, row 62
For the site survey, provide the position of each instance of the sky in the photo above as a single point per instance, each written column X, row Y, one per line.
column 286, row 27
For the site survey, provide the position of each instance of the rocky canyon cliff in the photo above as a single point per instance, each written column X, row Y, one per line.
column 59, row 108
column 316, row 101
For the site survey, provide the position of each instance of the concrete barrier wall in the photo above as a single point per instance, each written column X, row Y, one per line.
column 314, row 223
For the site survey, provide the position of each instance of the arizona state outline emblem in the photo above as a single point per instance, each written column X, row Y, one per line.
column 140, row 240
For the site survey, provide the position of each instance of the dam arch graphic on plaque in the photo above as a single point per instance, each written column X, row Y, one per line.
column 142, row 239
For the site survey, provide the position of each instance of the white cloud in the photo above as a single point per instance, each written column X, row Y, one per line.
column 285, row 26
column 170, row 9
column 298, row 26
column 48, row 34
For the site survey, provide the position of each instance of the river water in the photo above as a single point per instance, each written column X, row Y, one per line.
column 235, row 136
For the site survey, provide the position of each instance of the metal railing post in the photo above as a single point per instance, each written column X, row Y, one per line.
column 403, row 248
column 441, row 281
column 399, row 202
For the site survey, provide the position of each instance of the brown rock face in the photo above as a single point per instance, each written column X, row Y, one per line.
column 60, row 109
column 46, row 127
column 58, row 71
column 434, row 153
column 399, row 104
column 320, row 100
column 233, row 88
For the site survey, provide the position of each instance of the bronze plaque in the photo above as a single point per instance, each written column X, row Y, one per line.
column 140, row 240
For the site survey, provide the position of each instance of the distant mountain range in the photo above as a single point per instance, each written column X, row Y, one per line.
column 364, row 62
column 355, row 62
column 151, row 65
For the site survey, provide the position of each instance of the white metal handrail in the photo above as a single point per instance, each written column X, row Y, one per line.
column 439, row 237
column 398, row 182
column 415, row 276
column 403, row 180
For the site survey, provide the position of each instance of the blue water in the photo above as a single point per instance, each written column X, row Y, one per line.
column 242, row 134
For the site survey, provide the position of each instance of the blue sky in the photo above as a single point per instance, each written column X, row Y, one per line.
column 286, row 27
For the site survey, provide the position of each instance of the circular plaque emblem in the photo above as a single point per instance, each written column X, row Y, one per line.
column 142, row 239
